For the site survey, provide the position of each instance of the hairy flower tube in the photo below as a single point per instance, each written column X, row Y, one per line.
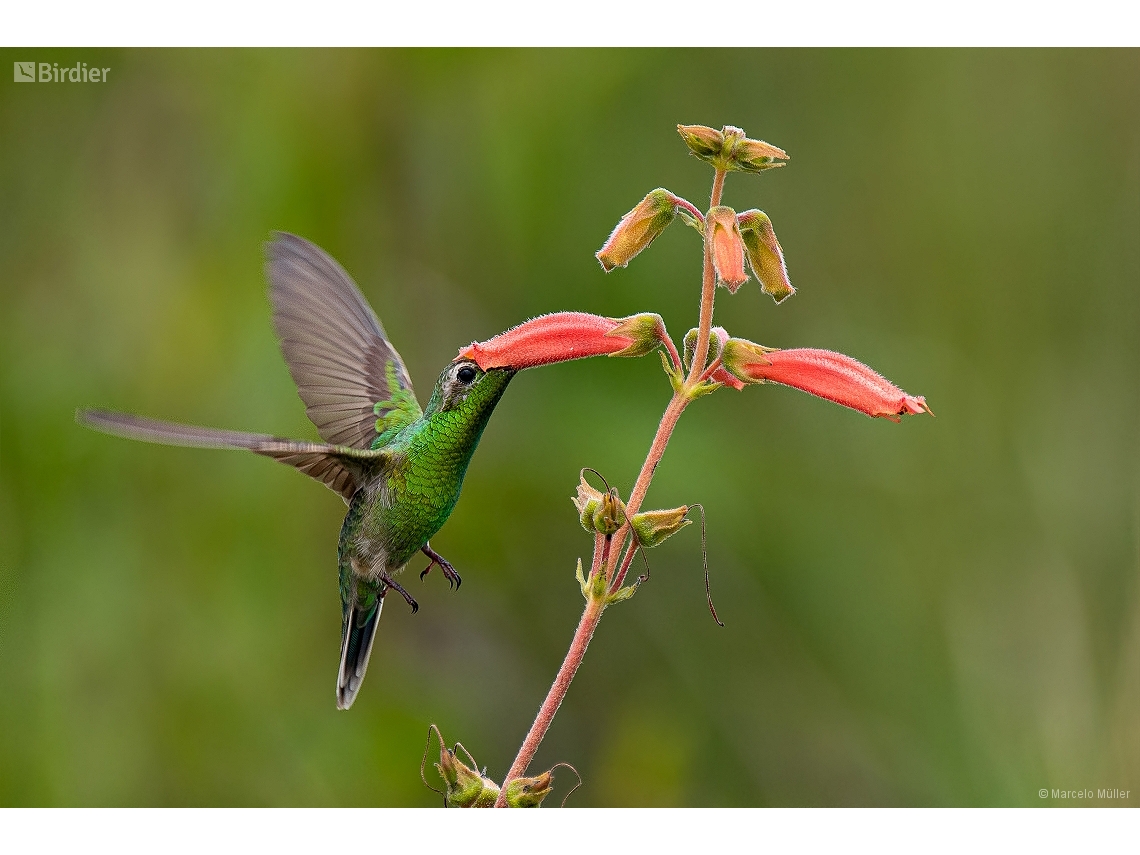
column 825, row 374
column 563, row 336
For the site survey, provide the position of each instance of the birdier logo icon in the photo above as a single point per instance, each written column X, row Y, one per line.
column 52, row 72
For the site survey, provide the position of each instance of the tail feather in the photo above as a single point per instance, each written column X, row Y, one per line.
column 170, row 433
column 339, row 468
column 358, row 636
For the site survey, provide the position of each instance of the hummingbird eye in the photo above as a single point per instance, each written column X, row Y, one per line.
column 466, row 374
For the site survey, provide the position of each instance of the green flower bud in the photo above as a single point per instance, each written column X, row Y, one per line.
column 610, row 515
column 654, row 527
column 529, row 792
column 689, row 346
column 755, row 156
column 765, row 256
column 588, row 501
column 717, row 337
column 465, row 786
column 730, row 149
column 704, row 142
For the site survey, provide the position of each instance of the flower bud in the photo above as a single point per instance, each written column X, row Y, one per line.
column 529, row 792
column 563, row 336
column 755, row 156
column 729, row 149
column 587, row 502
column 653, row 527
column 706, row 143
column 765, row 256
column 610, row 514
column 718, row 337
column 465, row 786
column 825, row 374
column 637, row 229
column 727, row 247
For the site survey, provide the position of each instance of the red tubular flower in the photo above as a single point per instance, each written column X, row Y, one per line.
column 564, row 336
column 829, row 375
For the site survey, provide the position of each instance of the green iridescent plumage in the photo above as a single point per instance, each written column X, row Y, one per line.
column 399, row 469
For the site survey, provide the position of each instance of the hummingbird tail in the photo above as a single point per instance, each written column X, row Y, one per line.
column 169, row 433
column 359, row 634
column 340, row 469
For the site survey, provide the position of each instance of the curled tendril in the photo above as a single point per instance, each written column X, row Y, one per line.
column 572, row 789
column 423, row 759
column 644, row 577
column 582, row 474
column 705, row 561
column 474, row 762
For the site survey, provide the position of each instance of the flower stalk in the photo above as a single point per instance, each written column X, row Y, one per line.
column 728, row 239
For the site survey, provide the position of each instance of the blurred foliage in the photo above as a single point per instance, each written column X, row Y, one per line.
column 943, row 612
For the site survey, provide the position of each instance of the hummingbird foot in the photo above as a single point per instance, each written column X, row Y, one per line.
column 394, row 585
column 449, row 572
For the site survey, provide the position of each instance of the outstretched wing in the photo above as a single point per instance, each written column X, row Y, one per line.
column 353, row 382
column 340, row 468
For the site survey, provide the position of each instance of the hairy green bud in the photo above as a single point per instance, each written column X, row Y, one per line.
column 465, row 786
column 610, row 515
column 654, row 527
column 529, row 792
column 587, row 502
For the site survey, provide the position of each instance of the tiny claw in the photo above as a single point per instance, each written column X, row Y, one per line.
column 425, row 571
column 408, row 598
column 449, row 572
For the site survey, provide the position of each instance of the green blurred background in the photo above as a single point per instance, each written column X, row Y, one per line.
column 942, row 612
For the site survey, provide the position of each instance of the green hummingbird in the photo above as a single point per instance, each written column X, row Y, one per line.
column 397, row 467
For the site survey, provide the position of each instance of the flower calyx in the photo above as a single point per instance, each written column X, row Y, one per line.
column 529, row 792
column 466, row 787
column 599, row 512
column 653, row 528
column 730, row 150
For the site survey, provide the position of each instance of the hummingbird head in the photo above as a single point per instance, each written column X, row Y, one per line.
column 464, row 385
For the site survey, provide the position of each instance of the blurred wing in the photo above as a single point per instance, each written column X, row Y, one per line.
column 341, row 469
column 346, row 371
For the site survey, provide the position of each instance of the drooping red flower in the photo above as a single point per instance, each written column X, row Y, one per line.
column 727, row 247
column 563, row 336
column 825, row 374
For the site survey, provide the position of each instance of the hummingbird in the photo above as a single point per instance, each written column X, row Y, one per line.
column 398, row 467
